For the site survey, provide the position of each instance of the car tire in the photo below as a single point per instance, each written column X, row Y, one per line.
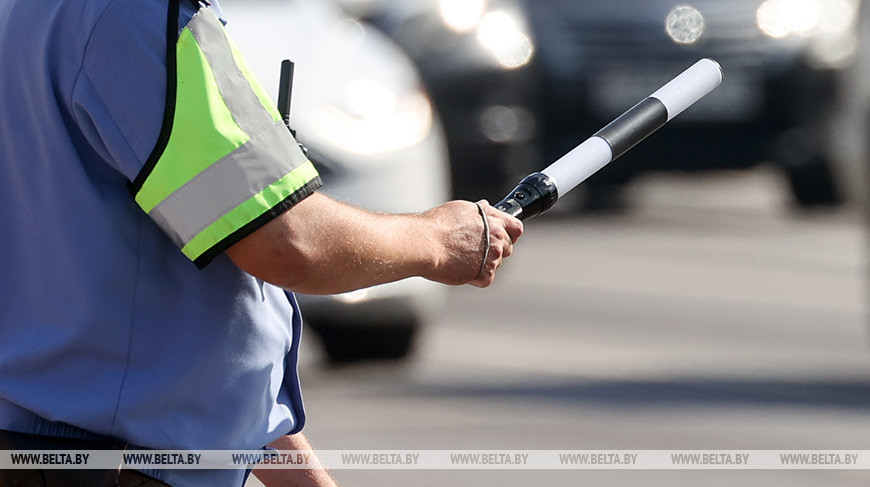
column 814, row 184
column 347, row 343
column 812, row 172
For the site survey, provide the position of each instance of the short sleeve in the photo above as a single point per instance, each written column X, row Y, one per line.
column 224, row 163
column 118, row 98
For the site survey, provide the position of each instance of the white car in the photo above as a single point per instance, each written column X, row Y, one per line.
column 359, row 106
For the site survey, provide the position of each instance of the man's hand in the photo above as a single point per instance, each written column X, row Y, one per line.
column 462, row 229
column 322, row 246
column 315, row 477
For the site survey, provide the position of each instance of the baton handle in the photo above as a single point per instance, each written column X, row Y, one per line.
column 535, row 194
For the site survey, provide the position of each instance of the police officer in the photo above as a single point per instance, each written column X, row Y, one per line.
column 154, row 209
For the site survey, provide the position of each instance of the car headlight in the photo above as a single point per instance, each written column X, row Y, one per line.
column 462, row 16
column 829, row 27
column 780, row 18
column 373, row 118
column 502, row 34
column 684, row 24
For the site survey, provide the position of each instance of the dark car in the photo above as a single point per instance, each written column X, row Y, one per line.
column 476, row 60
column 782, row 61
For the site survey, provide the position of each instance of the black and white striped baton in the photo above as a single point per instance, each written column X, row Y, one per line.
column 539, row 191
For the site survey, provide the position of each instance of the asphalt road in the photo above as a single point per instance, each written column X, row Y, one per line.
column 709, row 317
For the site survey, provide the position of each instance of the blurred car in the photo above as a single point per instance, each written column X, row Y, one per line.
column 781, row 59
column 360, row 108
column 475, row 58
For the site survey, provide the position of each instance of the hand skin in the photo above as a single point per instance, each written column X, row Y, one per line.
column 322, row 246
column 315, row 477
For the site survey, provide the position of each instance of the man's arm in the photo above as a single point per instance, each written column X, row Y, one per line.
column 316, row 477
column 322, row 246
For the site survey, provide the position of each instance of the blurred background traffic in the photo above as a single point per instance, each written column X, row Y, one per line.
column 706, row 290
column 405, row 103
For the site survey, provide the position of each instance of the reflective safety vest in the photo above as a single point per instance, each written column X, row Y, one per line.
column 225, row 163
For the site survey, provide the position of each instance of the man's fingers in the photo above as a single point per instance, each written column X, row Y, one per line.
column 504, row 231
column 513, row 226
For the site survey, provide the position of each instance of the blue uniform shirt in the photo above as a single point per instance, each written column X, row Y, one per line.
column 104, row 323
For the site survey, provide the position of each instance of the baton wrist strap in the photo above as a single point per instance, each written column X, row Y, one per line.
column 486, row 239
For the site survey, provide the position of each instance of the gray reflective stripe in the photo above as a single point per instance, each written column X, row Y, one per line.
column 227, row 183
column 248, row 112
